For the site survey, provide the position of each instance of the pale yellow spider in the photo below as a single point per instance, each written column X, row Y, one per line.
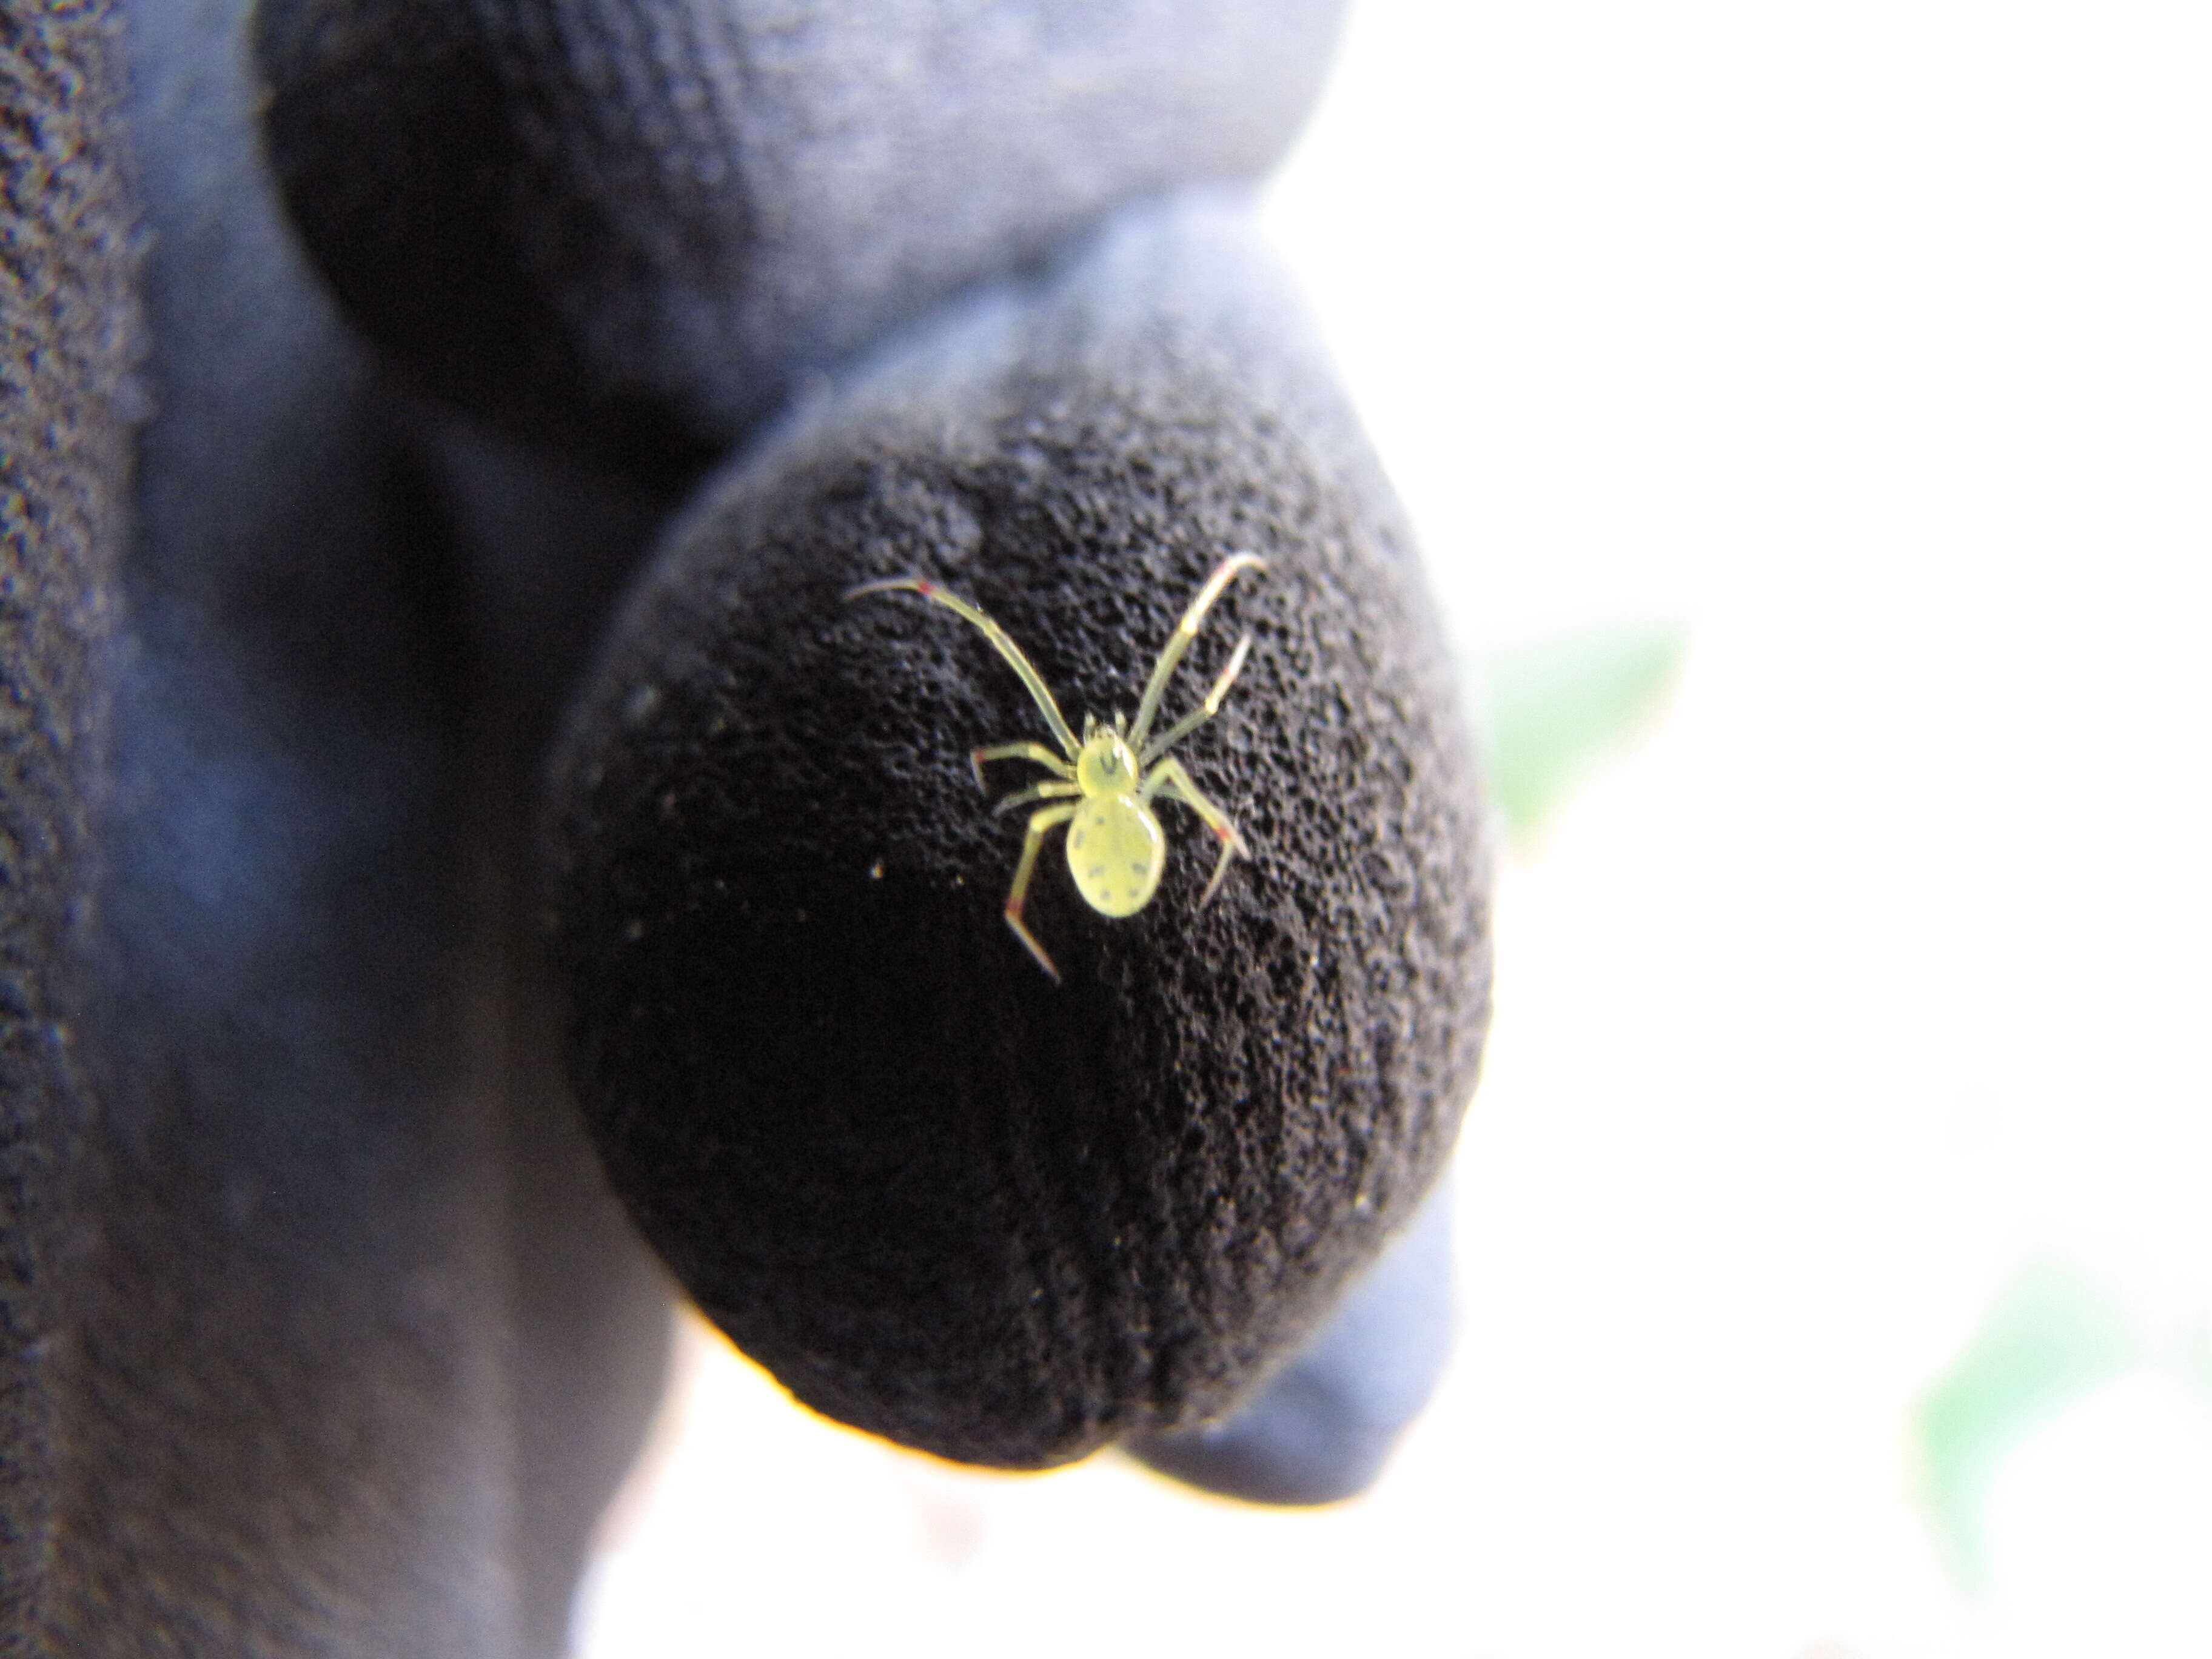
column 1116, row 850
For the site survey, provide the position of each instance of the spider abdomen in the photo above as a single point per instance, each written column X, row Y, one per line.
column 1115, row 851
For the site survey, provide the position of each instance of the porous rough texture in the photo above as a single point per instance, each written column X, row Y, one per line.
column 627, row 225
column 938, row 1195
column 67, row 329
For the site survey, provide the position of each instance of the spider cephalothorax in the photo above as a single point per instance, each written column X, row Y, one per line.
column 1103, row 786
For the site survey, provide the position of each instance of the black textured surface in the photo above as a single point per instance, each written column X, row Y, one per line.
column 1321, row 1429
column 67, row 319
column 940, row 1196
column 626, row 225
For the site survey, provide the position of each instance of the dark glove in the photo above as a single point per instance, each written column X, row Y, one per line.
column 324, row 1334
column 939, row 1195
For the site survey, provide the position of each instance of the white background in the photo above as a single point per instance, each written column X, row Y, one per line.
column 1872, row 342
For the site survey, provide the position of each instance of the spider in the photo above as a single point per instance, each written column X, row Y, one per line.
column 1115, row 848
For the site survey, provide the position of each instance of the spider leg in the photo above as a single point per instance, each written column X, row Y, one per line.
column 1179, row 642
column 1204, row 712
column 1170, row 778
column 1001, row 641
column 1037, row 792
column 1040, row 825
column 1033, row 752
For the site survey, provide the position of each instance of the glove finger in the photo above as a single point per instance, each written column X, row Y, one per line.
column 938, row 1194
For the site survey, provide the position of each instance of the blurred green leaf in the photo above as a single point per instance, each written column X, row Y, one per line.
column 2052, row 1336
column 1559, row 705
